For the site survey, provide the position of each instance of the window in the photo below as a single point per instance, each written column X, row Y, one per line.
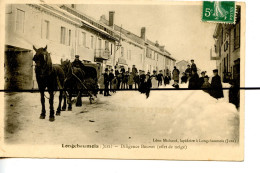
column 99, row 43
column 45, row 29
column 237, row 36
column 20, row 15
column 106, row 45
column 111, row 51
column 129, row 55
column 92, row 41
column 62, row 35
column 84, row 39
column 122, row 51
column 69, row 43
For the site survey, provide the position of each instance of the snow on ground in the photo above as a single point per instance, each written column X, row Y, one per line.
column 125, row 117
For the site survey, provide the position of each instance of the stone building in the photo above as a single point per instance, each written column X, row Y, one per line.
column 227, row 49
column 65, row 31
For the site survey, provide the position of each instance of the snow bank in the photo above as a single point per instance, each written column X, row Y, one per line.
column 194, row 112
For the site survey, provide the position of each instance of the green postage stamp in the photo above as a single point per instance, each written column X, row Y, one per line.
column 219, row 11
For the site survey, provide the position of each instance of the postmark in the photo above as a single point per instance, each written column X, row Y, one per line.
column 219, row 11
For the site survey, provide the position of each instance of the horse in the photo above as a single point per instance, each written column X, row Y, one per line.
column 76, row 79
column 73, row 82
column 48, row 76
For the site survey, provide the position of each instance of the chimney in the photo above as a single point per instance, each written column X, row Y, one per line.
column 143, row 33
column 111, row 18
column 156, row 44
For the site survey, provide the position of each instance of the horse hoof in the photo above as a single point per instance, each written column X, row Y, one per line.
column 51, row 119
column 69, row 109
column 42, row 117
column 58, row 113
column 63, row 109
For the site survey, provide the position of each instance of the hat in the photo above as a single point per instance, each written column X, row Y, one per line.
column 206, row 76
column 216, row 70
column 192, row 60
column 203, row 72
column 111, row 70
column 106, row 69
column 76, row 56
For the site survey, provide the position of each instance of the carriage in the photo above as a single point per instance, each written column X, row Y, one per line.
column 92, row 73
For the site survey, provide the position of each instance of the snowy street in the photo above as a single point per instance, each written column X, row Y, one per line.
column 125, row 117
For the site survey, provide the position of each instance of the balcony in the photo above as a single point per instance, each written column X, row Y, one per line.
column 101, row 55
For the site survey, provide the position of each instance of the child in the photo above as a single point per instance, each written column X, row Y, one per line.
column 114, row 84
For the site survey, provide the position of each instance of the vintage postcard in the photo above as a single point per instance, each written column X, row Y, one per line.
column 122, row 79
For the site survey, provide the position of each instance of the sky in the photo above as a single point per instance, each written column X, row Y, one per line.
column 178, row 27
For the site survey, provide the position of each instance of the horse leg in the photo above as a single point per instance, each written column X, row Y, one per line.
column 79, row 100
column 51, row 118
column 64, row 102
column 59, row 107
column 43, row 114
column 70, row 104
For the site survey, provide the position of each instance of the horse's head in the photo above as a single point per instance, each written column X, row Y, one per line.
column 66, row 66
column 42, row 60
column 41, row 56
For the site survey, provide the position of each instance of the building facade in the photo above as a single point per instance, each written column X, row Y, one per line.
column 68, row 32
column 227, row 49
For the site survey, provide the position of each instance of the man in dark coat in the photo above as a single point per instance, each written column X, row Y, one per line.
column 134, row 70
column 216, row 85
column 167, row 79
column 188, row 70
column 106, row 83
column 137, row 80
column 77, row 63
column 193, row 82
column 147, row 85
column 141, row 82
column 111, row 77
column 201, row 79
column 193, row 65
column 160, row 78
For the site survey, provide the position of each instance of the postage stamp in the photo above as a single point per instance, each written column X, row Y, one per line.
column 219, row 11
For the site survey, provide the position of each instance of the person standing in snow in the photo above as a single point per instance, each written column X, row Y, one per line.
column 188, row 70
column 160, row 78
column 136, row 80
column 106, row 83
column 114, row 84
column 141, row 84
column 193, row 65
column 216, row 85
column 154, row 80
column 111, row 77
column 201, row 79
column 147, row 85
column 175, row 74
column 193, row 82
column 167, row 79
column 131, row 80
column 206, row 85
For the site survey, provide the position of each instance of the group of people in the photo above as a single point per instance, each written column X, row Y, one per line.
column 112, row 80
column 195, row 82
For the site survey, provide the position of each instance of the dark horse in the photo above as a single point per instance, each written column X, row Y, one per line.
column 74, row 77
column 48, row 76
column 80, row 82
